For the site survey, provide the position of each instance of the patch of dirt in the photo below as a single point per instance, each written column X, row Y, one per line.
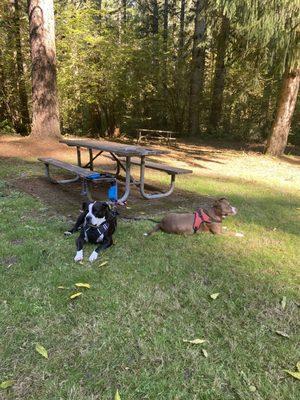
column 8, row 261
column 17, row 242
column 67, row 199
column 206, row 161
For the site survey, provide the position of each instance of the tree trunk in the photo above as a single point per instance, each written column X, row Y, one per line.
column 182, row 27
column 278, row 138
column 165, row 64
column 198, row 65
column 45, row 114
column 154, row 17
column 124, row 5
column 23, row 99
column 219, row 78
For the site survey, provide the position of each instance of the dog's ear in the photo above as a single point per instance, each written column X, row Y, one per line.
column 218, row 202
column 107, row 210
column 85, row 206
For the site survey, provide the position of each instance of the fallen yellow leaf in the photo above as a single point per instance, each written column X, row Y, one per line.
column 282, row 334
column 73, row 296
column 85, row 285
column 104, row 263
column 195, row 341
column 214, row 296
column 41, row 350
column 295, row 375
column 6, row 384
column 117, row 396
column 60, row 287
column 205, row 353
column 283, row 302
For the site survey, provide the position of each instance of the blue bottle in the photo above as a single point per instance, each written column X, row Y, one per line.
column 113, row 191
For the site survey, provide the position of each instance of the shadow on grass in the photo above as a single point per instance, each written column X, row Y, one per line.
column 258, row 204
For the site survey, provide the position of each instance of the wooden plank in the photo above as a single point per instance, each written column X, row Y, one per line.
column 116, row 148
column 160, row 167
column 85, row 173
column 156, row 130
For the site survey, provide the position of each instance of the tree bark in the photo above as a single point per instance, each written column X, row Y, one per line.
column 278, row 138
column 45, row 114
column 182, row 27
column 22, row 94
column 154, row 17
column 198, row 65
column 219, row 76
column 124, row 5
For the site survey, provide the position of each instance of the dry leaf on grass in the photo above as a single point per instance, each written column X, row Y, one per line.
column 117, row 395
column 280, row 333
column 205, row 353
column 195, row 341
column 214, row 296
column 84, row 285
column 295, row 374
column 73, row 296
column 60, row 287
column 104, row 263
column 283, row 302
column 41, row 350
column 6, row 384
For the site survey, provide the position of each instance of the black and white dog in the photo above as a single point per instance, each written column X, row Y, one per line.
column 97, row 223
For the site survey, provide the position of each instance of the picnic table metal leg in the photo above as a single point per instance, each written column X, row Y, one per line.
column 121, row 165
column 91, row 164
column 127, row 180
column 78, row 156
column 61, row 181
column 153, row 195
column 87, row 165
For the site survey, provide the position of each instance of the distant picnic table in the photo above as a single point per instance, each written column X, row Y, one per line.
column 155, row 134
column 124, row 156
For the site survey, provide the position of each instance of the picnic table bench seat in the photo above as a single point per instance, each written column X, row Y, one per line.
column 82, row 172
column 162, row 167
column 170, row 170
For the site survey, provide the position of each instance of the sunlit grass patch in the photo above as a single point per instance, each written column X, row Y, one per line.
column 127, row 330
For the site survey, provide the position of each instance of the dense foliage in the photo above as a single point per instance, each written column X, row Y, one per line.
column 127, row 64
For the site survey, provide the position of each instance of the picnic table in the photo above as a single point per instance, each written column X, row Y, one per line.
column 124, row 156
column 162, row 136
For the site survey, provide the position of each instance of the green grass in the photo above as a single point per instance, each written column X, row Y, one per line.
column 127, row 331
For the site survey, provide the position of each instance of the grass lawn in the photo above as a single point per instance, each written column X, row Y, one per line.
column 126, row 332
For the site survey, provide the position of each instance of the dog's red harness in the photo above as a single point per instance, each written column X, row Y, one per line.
column 199, row 218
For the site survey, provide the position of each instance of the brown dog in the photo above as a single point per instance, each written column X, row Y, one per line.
column 207, row 219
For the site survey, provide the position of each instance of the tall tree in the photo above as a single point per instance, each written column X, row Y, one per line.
column 20, row 80
column 219, row 76
column 45, row 114
column 198, row 65
column 278, row 138
column 182, row 26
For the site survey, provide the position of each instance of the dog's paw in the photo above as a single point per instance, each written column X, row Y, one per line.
column 239, row 234
column 68, row 233
column 93, row 256
column 79, row 256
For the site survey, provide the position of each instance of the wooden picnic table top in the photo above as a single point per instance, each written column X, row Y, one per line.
column 155, row 131
column 112, row 147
